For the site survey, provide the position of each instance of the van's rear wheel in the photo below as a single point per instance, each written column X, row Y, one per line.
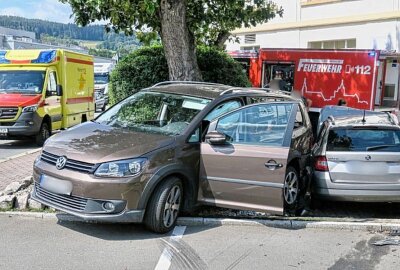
column 164, row 206
column 43, row 135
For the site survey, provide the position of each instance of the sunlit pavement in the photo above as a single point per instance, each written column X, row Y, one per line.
column 29, row 243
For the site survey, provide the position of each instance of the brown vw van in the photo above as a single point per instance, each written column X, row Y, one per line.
column 175, row 145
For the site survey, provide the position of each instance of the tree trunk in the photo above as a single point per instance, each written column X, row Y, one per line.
column 221, row 39
column 178, row 41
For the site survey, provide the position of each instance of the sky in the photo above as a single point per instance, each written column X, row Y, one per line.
column 51, row 10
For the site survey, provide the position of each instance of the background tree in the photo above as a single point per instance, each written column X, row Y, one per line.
column 178, row 22
column 147, row 66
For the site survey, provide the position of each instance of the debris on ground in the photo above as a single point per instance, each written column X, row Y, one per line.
column 387, row 242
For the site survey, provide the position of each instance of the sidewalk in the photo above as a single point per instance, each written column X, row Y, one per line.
column 16, row 169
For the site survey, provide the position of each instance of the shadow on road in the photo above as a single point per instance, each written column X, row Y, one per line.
column 120, row 232
column 25, row 144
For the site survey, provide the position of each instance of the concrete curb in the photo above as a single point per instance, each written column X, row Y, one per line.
column 292, row 224
column 20, row 155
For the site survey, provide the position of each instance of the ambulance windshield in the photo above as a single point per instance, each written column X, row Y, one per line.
column 26, row 81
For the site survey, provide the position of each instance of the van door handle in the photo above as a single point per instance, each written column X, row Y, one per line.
column 272, row 165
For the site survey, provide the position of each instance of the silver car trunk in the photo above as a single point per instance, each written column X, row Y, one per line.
column 369, row 155
column 364, row 167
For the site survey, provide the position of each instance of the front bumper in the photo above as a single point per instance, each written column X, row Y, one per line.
column 89, row 194
column 324, row 188
column 124, row 216
column 28, row 124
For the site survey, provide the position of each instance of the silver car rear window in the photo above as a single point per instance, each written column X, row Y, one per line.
column 349, row 139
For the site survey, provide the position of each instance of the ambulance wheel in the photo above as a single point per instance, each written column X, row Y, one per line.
column 43, row 135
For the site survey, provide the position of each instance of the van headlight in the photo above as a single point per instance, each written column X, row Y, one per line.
column 121, row 168
column 30, row 108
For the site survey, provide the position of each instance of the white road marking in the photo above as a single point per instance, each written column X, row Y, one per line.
column 164, row 263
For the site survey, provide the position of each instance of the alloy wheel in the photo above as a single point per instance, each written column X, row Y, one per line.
column 291, row 188
column 172, row 205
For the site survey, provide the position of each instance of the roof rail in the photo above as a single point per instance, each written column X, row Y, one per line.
column 391, row 118
column 184, row 82
column 331, row 119
column 268, row 90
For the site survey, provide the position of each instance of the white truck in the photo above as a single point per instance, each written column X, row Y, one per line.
column 102, row 73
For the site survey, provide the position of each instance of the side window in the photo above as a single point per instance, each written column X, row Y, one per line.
column 222, row 108
column 264, row 124
column 299, row 122
column 195, row 137
column 52, row 83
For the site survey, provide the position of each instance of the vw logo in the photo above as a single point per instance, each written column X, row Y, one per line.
column 368, row 157
column 61, row 162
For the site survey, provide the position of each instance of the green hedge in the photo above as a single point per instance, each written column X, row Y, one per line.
column 148, row 66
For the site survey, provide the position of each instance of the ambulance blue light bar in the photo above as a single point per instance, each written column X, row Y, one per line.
column 45, row 57
column 3, row 59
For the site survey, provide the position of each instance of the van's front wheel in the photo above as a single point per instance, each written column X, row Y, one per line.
column 164, row 206
column 43, row 135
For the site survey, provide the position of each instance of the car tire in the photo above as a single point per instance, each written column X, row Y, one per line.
column 103, row 108
column 43, row 135
column 164, row 206
column 293, row 192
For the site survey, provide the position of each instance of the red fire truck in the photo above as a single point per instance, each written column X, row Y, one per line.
column 366, row 79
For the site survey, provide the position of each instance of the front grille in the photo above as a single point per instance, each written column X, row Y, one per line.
column 71, row 164
column 8, row 112
column 68, row 202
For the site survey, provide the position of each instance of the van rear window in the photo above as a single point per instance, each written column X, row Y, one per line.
column 344, row 139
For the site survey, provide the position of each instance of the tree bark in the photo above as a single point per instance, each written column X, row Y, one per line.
column 221, row 39
column 178, row 41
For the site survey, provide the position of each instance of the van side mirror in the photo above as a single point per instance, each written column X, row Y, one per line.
column 59, row 90
column 216, row 138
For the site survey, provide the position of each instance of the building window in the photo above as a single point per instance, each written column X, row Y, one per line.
column 333, row 44
column 250, row 39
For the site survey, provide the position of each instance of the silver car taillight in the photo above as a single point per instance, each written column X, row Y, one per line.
column 321, row 164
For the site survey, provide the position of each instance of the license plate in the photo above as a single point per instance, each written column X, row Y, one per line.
column 3, row 131
column 55, row 185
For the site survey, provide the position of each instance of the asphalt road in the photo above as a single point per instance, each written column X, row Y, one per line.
column 29, row 243
column 12, row 148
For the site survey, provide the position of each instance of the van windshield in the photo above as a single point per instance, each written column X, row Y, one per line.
column 100, row 78
column 383, row 140
column 26, row 81
column 153, row 112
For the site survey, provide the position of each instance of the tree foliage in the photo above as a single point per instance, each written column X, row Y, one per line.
column 211, row 21
column 181, row 24
column 101, row 52
column 148, row 66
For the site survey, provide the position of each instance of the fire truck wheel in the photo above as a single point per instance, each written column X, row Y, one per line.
column 43, row 135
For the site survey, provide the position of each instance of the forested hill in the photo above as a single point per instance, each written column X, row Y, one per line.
column 60, row 30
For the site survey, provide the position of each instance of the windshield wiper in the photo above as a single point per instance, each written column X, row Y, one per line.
column 377, row 147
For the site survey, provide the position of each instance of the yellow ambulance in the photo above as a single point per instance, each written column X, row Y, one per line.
column 44, row 90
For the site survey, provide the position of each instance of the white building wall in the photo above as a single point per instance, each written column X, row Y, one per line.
column 347, row 8
column 375, row 35
column 378, row 34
